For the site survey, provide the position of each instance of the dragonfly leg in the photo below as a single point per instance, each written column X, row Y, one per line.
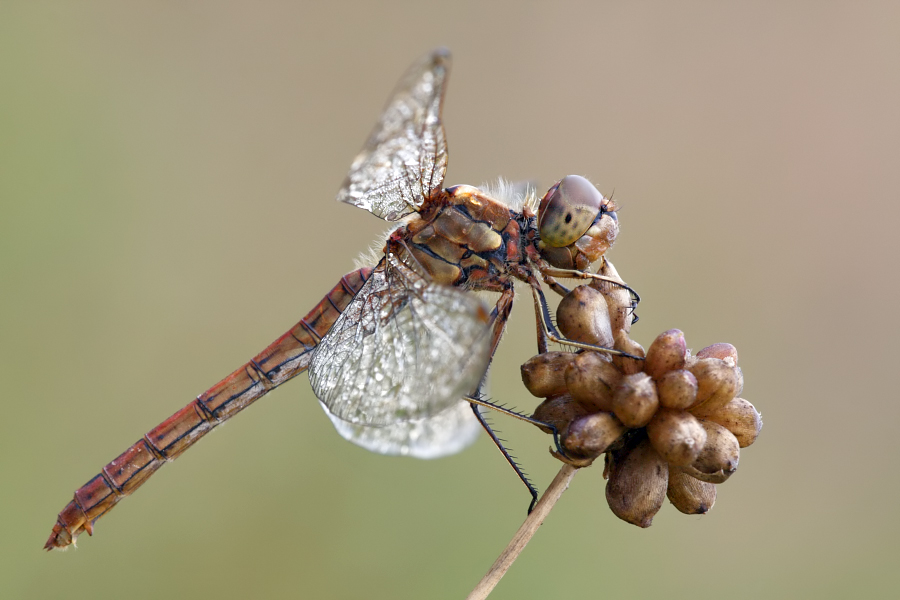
column 499, row 317
column 550, row 280
column 556, row 286
column 550, row 273
column 509, row 458
column 477, row 400
column 545, row 322
column 543, row 339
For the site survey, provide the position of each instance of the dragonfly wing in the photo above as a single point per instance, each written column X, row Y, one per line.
column 405, row 157
column 448, row 432
column 404, row 349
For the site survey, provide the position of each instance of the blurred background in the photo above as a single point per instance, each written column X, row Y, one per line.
column 167, row 174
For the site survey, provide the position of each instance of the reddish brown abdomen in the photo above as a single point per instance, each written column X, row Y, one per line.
column 286, row 357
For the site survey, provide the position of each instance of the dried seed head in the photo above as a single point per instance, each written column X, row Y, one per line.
column 573, row 459
column 720, row 453
column 740, row 418
column 677, row 435
column 638, row 478
column 635, row 400
column 591, row 435
column 721, row 350
column 582, row 316
column 559, row 411
column 666, row 353
column 544, row 374
column 717, row 383
column 689, row 495
column 689, row 361
column 670, row 425
column 717, row 477
column 591, row 379
column 677, row 389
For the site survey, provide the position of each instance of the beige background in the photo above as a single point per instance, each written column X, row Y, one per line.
column 167, row 172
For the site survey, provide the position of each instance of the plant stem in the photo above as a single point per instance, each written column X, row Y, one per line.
column 524, row 534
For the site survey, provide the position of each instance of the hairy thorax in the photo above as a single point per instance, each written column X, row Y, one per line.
column 465, row 238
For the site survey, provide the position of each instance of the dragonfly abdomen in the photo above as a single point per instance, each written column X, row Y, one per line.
column 286, row 357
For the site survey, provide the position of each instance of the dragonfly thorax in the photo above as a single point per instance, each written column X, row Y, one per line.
column 461, row 237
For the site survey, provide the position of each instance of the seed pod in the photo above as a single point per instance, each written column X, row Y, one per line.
column 717, row 384
column 689, row 495
column 690, row 361
column 638, row 478
column 720, row 453
column 591, row 379
column 635, row 400
column 676, row 435
column 677, row 389
column 559, row 411
column 545, row 374
column 579, row 462
column 740, row 418
column 591, row 435
column 624, row 343
column 721, row 350
column 666, row 353
column 618, row 299
column 717, row 477
column 582, row 316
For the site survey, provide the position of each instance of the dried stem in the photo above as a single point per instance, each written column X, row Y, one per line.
column 524, row 534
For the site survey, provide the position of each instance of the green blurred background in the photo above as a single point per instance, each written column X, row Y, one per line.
column 167, row 172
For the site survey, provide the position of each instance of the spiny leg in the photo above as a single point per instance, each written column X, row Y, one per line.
column 477, row 400
column 509, row 458
column 546, row 321
column 556, row 286
column 542, row 339
column 549, row 274
column 499, row 317
column 604, row 280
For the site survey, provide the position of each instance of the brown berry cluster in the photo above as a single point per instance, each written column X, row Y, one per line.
column 669, row 425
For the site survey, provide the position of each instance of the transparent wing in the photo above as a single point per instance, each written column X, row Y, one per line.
column 404, row 349
column 445, row 433
column 405, row 157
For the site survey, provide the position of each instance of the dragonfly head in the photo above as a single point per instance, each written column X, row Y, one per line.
column 576, row 224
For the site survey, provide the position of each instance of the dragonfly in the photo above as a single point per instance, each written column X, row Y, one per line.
column 397, row 352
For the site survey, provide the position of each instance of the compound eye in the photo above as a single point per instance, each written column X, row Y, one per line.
column 568, row 210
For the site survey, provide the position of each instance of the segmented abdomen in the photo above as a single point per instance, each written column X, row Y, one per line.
column 286, row 357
